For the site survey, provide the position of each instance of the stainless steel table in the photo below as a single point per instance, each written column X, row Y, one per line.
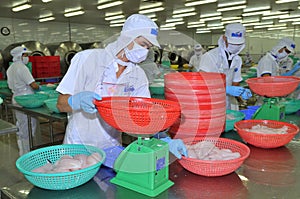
column 42, row 112
column 6, row 127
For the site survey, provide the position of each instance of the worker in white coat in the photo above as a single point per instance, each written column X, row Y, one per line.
column 150, row 67
column 113, row 71
column 225, row 59
column 21, row 82
column 196, row 58
column 268, row 65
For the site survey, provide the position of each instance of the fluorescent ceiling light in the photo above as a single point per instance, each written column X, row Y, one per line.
column 211, row 14
column 46, row 19
column 172, row 24
column 195, row 3
column 254, row 13
column 74, row 13
column 290, row 16
column 184, row 10
column 277, row 28
column 185, row 14
column 250, row 19
column 151, row 10
column 210, row 18
column 151, row 15
column 22, row 24
column 108, row 14
column 116, row 25
column 288, row 20
column 114, row 17
column 271, row 17
column 232, row 3
column 195, row 22
column 256, row 8
column 26, row 31
column 117, row 21
column 231, row 8
column 285, row 1
column 108, row 5
column 21, row 7
column 230, row 18
column 91, row 28
column 203, row 31
column 275, row 13
column 46, row 1
column 167, row 28
column 196, row 25
column 232, row 21
column 174, row 20
column 150, row 5
column 214, row 24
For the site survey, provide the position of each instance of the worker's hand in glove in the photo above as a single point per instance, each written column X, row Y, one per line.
column 234, row 90
column 176, row 147
column 246, row 94
column 291, row 72
column 84, row 100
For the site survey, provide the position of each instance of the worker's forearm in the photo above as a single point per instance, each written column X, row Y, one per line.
column 62, row 103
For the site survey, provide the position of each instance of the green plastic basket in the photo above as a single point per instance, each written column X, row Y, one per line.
column 3, row 84
column 291, row 105
column 50, row 93
column 157, row 88
column 31, row 100
column 238, row 116
column 46, row 87
column 51, row 105
column 58, row 181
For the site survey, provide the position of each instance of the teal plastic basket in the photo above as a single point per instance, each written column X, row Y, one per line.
column 51, row 105
column 291, row 105
column 157, row 88
column 58, row 181
column 238, row 116
column 46, row 87
column 31, row 100
column 3, row 84
column 50, row 93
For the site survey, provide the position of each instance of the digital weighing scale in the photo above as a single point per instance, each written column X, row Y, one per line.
column 143, row 166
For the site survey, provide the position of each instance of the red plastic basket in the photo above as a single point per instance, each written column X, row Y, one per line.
column 136, row 115
column 275, row 86
column 217, row 167
column 266, row 140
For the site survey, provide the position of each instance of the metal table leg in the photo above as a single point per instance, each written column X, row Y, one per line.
column 51, row 131
column 30, row 132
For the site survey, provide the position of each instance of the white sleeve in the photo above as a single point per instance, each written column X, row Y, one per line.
column 264, row 66
column 206, row 63
column 26, row 75
column 68, row 83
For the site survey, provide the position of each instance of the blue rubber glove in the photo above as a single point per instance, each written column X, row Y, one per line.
column 234, row 90
column 176, row 147
column 246, row 94
column 291, row 72
column 84, row 100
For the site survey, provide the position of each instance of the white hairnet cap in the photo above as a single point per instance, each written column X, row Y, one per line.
column 288, row 43
column 140, row 25
column 197, row 47
column 235, row 33
column 19, row 51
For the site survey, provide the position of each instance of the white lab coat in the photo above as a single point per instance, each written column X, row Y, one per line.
column 268, row 64
column 215, row 60
column 95, row 70
column 19, row 79
column 195, row 61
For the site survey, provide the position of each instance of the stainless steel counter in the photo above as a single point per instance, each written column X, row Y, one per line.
column 42, row 112
column 6, row 127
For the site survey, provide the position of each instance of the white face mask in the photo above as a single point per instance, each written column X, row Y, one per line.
column 234, row 49
column 137, row 54
column 281, row 56
column 25, row 60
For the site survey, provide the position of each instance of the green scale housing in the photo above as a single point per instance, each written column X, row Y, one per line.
column 270, row 110
column 143, row 166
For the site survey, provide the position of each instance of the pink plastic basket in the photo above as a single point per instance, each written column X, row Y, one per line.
column 265, row 140
column 216, row 167
column 275, row 86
